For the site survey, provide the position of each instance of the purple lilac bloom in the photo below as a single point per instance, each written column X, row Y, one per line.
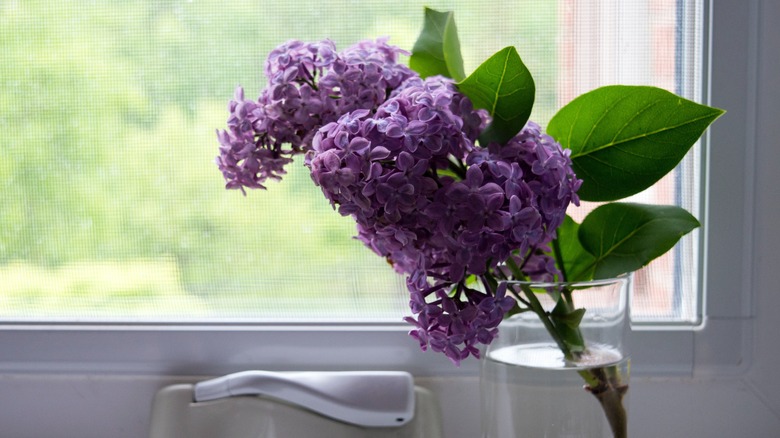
column 534, row 167
column 455, row 327
column 242, row 163
column 384, row 170
column 309, row 85
column 398, row 154
column 535, row 186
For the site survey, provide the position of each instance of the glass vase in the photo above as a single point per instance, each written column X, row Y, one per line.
column 530, row 388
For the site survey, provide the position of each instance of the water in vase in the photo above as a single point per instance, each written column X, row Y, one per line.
column 530, row 391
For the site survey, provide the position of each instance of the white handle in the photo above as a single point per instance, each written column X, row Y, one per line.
column 364, row 398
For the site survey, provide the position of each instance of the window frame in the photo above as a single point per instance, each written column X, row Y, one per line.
column 719, row 344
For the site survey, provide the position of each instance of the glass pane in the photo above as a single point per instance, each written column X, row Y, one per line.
column 112, row 207
column 654, row 42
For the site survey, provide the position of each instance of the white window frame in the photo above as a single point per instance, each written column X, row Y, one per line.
column 719, row 345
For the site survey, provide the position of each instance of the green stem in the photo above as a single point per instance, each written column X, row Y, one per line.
column 604, row 383
column 544, row 316
column 457, row 167
column 609, row 391
column 556, row 245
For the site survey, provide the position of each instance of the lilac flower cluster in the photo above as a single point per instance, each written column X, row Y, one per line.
column 511, row 202
column 399, row 155
column 454, row 326
column 383, row 168
column 439, row 208
column 309, row 85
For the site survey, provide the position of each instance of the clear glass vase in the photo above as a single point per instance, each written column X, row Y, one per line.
column 530, row 388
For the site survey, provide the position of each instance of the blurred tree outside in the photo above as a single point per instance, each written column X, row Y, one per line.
column 112, row 206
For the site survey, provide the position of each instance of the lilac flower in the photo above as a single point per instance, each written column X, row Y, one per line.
column 510, row 203
column 361, row 75
column 541, row 267
column 397, row 153
column 543, row 174
column 383, row 169
column 309, row 85
column 455, row 327
column 242, row 163
column 299, row 62
column 397, row 170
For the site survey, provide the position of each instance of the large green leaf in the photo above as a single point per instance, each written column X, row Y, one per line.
column 503, row 86
column 624, row 237
column 437, row 50
column 625, row 138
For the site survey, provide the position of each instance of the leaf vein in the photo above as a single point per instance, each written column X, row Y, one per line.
column 646, row 135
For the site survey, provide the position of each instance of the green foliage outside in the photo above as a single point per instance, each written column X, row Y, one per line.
column 111, row 205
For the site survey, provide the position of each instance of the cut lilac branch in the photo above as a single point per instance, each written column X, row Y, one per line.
column 449, row 181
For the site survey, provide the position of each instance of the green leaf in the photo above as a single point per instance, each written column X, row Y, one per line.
column 567, row 323
column 624, row 237
column 504, row 87
column 625, row 138
column 578, row 264
column 570, row 319
column 437, row 50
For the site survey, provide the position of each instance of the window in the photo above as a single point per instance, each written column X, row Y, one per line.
column 114, row 212
column 658, row 43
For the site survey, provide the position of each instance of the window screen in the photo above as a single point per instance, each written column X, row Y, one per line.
column 113, row 209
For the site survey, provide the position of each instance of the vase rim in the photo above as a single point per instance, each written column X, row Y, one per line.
column 622, row 278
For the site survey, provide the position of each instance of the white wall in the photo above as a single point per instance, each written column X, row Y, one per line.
column 741, row 398
column 762, row 376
